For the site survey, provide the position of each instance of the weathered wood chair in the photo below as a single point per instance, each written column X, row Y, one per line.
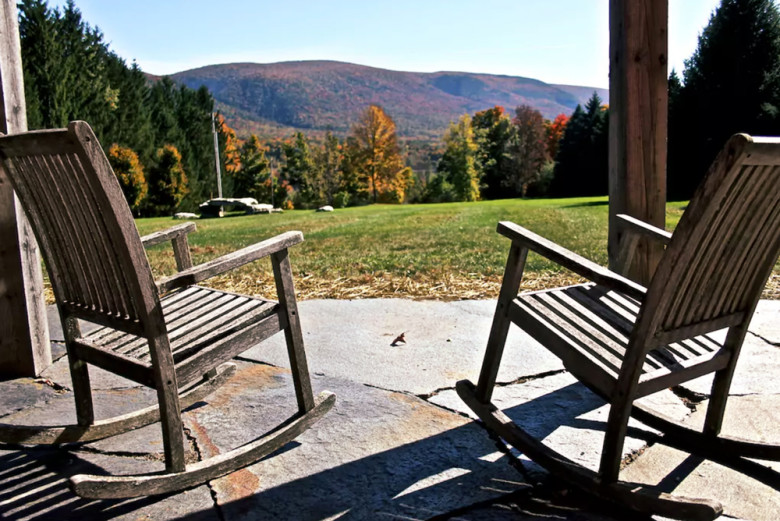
column 170, row 335
column 624, row 341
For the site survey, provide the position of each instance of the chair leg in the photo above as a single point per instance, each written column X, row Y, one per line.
column 285, row 290
column 79, row 376
column 614, row 438
column 170, row 406
column 722, row 382
column 513, row 273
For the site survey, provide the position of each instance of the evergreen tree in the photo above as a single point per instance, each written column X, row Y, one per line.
column 299, row 168
column 458, row 165
column 44, row 86
column 69, row 73
column 328, row 160
column 131, row 124
column 582, row 167
column 731, row 84
column 250, row 179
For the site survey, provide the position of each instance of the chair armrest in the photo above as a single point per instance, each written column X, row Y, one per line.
column 178, row 237
column 230, row 261
column 642, row 228
column 635, row 229
column 168, row 234
column 570, row 260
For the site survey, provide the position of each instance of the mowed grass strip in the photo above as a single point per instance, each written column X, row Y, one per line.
column 437, row 251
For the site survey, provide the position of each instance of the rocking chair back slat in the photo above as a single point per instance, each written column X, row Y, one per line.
column 725, row 242
column 98, row 269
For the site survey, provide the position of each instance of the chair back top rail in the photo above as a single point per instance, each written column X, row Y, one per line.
column 724, row 247
column 96, row 262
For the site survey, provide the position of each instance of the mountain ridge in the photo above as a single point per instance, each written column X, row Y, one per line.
column 316, row 95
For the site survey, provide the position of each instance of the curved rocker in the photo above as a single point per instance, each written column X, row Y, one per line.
column 633, row 496
column 57, row 434
column 720, row 448
column 624, row 341
column 166, row 334
column 100, row 487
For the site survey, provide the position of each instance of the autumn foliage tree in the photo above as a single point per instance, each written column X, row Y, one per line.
column 378, row 157
column 457, row 169
column 553, row 133
column 527, row 149
column 130, row 174
column 167, row 182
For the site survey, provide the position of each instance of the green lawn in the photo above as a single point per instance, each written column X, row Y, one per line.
column 446, row 251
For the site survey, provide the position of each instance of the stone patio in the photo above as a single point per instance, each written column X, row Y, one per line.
column 399, row 444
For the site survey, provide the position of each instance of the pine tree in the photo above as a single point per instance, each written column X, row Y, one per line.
column 731, row 84
column 582, row 167
column 299, row 168
column 328, row 160
column 250, row 180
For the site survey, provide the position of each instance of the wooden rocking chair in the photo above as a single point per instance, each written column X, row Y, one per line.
column 167, row 335
column 624, row 341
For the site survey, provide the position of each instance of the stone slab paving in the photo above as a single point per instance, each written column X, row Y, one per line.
column 445, row 342
column 399, row 444
column 377, row 455
column 750, row 495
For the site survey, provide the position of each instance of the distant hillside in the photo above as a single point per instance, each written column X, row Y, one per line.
column 270, row 99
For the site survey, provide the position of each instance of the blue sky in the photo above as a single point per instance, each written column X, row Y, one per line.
column 557, row 41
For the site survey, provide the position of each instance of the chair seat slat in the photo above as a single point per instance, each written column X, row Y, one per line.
column 596, row 321
column 191, row 328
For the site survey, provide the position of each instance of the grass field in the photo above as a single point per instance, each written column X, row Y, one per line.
column 441, row 251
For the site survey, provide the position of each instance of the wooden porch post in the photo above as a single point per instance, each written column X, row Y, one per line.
column 638, row 95
column 24, row 332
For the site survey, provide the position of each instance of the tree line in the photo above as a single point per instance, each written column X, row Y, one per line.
column 158, row 135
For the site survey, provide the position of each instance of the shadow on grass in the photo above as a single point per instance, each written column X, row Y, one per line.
column 587, row 204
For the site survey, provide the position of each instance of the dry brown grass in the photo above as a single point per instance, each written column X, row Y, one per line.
column 446, row 288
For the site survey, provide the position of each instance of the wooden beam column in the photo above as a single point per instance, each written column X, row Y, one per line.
column 638, row 96
column 24, row 332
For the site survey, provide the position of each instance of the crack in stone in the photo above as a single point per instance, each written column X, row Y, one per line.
column 632, row 456
column 516, row 381
column 196, row 448
column 530, row 378
column 251, row 361
column 770, row 342
column 691, row 399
